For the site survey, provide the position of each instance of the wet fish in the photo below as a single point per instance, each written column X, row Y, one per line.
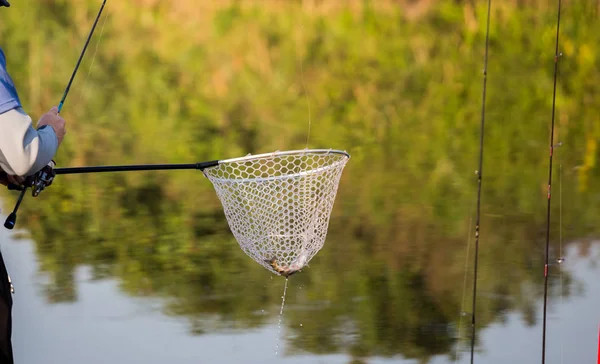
column 287, row 271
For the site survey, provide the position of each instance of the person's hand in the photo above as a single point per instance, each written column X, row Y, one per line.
column 5, row 179
column 55, row 121
column 15, row 180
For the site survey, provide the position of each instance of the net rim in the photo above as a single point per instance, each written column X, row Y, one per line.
column 288, row 152
column 276, row 154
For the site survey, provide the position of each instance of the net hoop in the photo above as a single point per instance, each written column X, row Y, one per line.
column 288, row 152
column 278, row 204
column 277, row 154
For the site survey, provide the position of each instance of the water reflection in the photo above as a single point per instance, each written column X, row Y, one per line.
column 572, row 321
column 377, row 318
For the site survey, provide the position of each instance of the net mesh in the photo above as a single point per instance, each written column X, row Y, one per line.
column 278, row 205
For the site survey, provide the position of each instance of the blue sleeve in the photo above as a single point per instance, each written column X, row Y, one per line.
column 47, row 147
column 9, row 99
column 12, row 123
column 24, row 150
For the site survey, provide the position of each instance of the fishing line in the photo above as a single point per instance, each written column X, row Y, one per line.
column 462, row 305
column 307, row 103
column 304, row 89
column 560, row 248
column 561, row 259
column 85, row 81
column 306, row 188
column 479, row 183
column 549, row 195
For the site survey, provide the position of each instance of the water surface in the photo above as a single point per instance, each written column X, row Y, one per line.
column 106, row 325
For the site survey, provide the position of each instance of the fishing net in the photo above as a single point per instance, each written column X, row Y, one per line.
column 278, row 205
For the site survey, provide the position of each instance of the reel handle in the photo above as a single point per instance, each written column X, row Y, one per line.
column 11, row 220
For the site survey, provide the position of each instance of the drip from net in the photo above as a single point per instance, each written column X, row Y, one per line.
column 278, row 204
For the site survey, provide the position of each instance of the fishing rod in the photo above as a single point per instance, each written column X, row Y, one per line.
column 137, row 167
column 549, row 195
column 46, row 176
column 87, row 42
column 479, row 183
column 38, row 180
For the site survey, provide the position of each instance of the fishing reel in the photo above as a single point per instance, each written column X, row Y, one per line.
column 37, row 182
column 43, row 179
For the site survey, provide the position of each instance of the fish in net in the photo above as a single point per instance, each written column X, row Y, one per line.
column 278, row 204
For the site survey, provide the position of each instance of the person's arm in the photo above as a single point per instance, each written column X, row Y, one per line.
column 23, row 150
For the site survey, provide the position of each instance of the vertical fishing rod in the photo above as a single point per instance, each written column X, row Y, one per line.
column 11, row 220
column 62, row 101
column 479, row 180
column 549, row 196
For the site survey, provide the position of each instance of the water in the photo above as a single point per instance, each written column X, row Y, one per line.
column 103, row 324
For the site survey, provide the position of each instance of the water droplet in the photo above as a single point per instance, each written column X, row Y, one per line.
column 281, row 314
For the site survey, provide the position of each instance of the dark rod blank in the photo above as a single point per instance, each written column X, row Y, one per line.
column 136, row 167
